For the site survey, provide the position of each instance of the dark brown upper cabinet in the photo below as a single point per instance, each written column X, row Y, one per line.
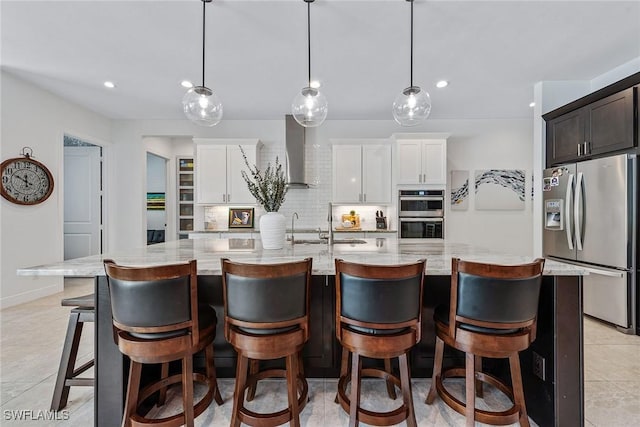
column 604, row 126
column 600, row 123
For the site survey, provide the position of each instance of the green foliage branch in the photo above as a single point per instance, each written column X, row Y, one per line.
column 269, row 188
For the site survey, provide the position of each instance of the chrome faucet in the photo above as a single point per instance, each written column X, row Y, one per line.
column 330, row 221
column 294, row 216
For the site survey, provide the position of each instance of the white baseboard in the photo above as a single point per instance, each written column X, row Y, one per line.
column 31, row 295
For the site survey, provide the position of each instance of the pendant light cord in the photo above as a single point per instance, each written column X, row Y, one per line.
column 204, row 10
column 309, row 41
column 411, row 67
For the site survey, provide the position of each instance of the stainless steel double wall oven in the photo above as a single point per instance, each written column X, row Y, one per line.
column 420, row 214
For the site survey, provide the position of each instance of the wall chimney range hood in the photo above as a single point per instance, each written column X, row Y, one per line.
column 294, row 146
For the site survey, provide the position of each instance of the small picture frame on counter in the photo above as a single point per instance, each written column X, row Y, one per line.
column 241, row 217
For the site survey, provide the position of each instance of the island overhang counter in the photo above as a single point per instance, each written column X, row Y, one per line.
column 556, row 399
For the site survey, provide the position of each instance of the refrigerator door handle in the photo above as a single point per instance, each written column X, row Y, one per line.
column 577, row 208
column 567, row 211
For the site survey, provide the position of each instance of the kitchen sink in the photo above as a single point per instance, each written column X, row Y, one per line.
column 310, row 241
column 349, row 241
column 324, row 241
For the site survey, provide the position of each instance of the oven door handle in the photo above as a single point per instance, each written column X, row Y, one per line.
column 421, row 198
column 421, row 219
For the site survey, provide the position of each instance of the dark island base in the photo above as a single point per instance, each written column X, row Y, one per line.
column 556, row 400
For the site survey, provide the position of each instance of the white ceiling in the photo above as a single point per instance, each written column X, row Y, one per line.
column 491, row 52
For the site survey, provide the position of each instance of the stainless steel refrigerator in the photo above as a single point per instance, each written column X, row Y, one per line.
column 590, row 217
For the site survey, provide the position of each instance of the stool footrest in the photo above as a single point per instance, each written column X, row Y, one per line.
column 389, row 418
column 508, row 416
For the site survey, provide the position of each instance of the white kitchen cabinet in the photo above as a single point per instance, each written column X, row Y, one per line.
column 218, row 170
column 362, row 173
column 422, row 161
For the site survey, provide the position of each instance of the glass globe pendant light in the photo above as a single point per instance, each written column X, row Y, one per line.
column 413, row 104
column 309, row 107
column 201, row 105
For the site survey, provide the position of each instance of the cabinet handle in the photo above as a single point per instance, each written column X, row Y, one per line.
column 579, row 147
column 365, row 197
column 228, row 197
column 224, row 197
column 424, row 177
column 419, row 177
column 586, row 149
column 360, row 197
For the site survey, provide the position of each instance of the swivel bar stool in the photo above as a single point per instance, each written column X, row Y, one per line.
column 157, row 319
column 378, row 315
column 493, row 312
column 266, row 317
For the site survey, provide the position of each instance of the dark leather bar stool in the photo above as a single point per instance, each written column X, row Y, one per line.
column 378, row 315
column 492, row 313
column 83, row 311
column 157, row 319
column 266, row 313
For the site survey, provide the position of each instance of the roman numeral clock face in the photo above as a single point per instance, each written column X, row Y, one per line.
column 25, row 181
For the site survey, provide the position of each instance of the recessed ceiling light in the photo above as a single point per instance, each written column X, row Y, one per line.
column 442, row 83
column 532, row 104
column 109, row 84
column 186, row 83
column 315, row 84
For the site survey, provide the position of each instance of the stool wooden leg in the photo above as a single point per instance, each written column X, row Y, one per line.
column 405, row 382
column 211, row 373
column 478, row 368
column 162, row 394
column 238, row 393
column 437, row 370
column 356, row 365
column 254, row 368
column 187, row 390
column 292, row 388
column 67, row 362
column 344, row 367
column 470, row 389
column 518, row 393
column 391, row 390
column 133, row 388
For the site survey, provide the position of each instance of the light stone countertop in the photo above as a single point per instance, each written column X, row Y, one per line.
column 375, row 251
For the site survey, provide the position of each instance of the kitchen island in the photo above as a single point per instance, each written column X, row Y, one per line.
column 554, row 399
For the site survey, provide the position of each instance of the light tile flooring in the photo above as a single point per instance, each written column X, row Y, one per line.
column 32, row 334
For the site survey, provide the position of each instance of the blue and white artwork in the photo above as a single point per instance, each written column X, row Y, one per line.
column 459, row 190
column 500, row 189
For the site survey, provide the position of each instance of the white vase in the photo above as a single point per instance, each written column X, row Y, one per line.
column 272, row 230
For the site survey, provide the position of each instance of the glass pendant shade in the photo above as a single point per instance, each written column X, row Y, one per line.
column 202, row 106
column 411, row 106
column 309, row 107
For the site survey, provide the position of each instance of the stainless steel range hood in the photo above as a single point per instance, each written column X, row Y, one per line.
column 294, row 145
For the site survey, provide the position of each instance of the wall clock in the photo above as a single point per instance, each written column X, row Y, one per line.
column 25, row 181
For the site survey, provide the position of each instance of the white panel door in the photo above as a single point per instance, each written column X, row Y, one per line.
column 238, row 192
column 347, row 173
column 82, row 219
column 409, row 162
column 376, row 173
column 434, row 162
column 211, row 173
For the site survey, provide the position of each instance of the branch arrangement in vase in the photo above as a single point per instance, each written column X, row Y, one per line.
column 268, row 187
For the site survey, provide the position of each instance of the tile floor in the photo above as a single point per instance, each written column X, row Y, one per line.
column 32, row 333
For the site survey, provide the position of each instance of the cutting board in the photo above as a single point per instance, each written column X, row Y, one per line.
column 347, row 217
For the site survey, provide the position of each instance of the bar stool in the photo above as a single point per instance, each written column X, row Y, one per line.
column 378, row 315
column 266, row 314
column 493, row 313
column 83, row 311
column 157, row 319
